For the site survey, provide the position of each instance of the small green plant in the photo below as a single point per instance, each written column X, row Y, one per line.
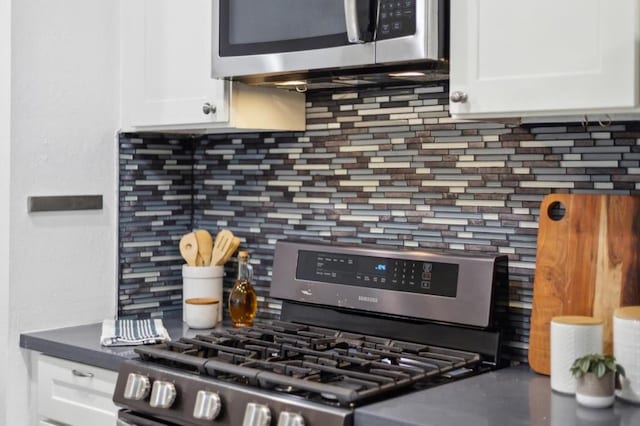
column 597, row 364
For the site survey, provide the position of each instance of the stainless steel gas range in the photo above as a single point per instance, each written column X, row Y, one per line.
column 359, row 324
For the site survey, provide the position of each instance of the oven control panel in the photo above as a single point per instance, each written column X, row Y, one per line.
column 414, row 276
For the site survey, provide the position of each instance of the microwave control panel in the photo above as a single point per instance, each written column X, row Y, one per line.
column 413, row 276
column 396, row 18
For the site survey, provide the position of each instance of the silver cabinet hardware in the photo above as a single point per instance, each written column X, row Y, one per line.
column 79, row 373
column 208, row 108
column 458, row 97
column 63, row 202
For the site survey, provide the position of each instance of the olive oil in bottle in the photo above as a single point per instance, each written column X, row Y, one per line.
column 243, row 302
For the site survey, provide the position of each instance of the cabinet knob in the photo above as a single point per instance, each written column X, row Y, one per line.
column 458, row 97
column 207, row 108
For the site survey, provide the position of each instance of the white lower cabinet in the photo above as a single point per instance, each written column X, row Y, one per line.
column 70, row 393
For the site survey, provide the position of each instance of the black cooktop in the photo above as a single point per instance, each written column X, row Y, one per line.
column 320, row 364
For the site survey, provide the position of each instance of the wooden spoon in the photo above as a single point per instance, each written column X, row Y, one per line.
column 189, row 248
column 221, row 246
column 205, row 247
column 235, row 243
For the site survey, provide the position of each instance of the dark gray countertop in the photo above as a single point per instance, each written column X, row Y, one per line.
column 511, row 396
column 82, row 343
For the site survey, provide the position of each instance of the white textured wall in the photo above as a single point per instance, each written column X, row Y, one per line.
column 64, row 118
column 5, row 152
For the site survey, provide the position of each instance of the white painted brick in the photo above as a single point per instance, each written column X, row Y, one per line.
column 284, row 183
column 153, row 182
column 390, row 165
column 405, row 201
column 310, row 167
column 545, row 184
column 152, row 213
column 444, row 221
column 311, row 200
column 342, row 96
column 523, row 265
column 588, row 164
column 571, row 156
column 285, row 150
column 356, row 218
column 445, row 145
column 603, row 185
column 359, row 148
column 530, row 225
column 248, row 198
column 480, row 203
column 474, row 164
column 544, row 144
column 445, row 183
column 131, row 244
column 359, row 183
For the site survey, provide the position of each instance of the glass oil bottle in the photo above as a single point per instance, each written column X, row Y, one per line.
column 243, row 301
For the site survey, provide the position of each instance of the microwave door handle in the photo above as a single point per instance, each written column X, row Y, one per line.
column 351, row 21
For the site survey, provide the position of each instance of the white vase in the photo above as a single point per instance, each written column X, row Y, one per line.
column 596, row 392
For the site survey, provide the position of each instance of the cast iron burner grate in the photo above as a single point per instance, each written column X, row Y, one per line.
column 315, row 363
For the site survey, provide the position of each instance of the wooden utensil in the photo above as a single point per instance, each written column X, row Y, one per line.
column 587, row 263
column 235, row 243
column 189, row 248
column 221, row 246
column 205, row 247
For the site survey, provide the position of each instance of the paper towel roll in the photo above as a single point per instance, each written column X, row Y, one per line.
column 571, row 338
column 626, row 349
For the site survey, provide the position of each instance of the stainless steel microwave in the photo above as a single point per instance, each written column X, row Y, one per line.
column 276, row 37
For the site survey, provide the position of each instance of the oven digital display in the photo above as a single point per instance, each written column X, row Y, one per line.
column 414, row 276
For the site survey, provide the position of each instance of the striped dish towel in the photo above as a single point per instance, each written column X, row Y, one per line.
column 133, row 332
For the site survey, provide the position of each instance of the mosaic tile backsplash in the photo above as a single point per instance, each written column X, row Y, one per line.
column 375, row 166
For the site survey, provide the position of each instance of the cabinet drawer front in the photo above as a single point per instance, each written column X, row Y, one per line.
column 75, row 393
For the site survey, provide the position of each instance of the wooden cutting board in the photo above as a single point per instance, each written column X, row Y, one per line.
column 587, row 263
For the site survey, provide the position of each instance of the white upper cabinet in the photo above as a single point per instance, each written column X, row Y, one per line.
column 543, row 57
column 166, row 76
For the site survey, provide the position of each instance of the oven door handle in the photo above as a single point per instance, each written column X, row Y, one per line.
column 351, row 21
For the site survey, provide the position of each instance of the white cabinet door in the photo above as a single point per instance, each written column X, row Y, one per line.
column 75, row 394
column 166, row 64
column 543, row 57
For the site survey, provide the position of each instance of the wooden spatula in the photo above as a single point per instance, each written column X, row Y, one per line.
column 235, row 243
column 189, row 248
column 205, row 247
column 221, row 246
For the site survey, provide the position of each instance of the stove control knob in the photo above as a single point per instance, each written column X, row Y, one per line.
column 288, row 418
column 163, row 394
column 137, row 387
column 256, row 415
column 207, row 405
